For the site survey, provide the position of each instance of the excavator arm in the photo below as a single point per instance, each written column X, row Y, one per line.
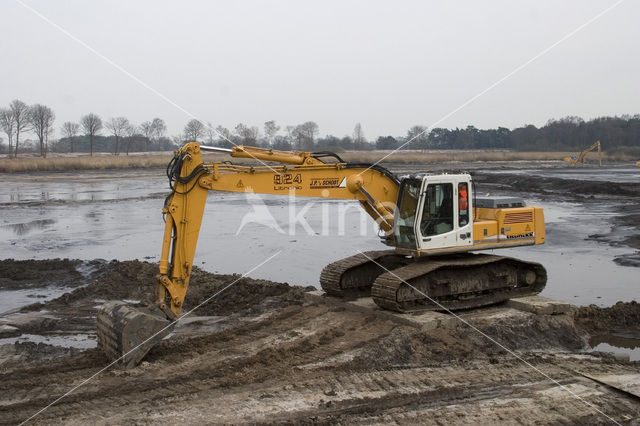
column 588, row 150
column 583, row 154
column 127, row 333
column 303, row 175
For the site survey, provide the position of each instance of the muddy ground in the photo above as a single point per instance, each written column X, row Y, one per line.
column 261, row 352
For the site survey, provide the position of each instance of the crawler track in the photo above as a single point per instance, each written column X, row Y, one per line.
column 457, row 282
column 354, row 275
column 438, row 283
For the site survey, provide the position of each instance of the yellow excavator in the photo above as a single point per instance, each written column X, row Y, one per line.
column 580, row 158
column 433, row 222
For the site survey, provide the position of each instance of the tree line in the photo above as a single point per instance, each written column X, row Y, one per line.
column 566, row 134
column 118, row 135
column 86, row 135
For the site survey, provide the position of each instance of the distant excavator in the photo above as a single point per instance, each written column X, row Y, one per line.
column 432, row 222
column 580, row 158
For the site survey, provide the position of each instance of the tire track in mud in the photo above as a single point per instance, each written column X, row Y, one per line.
column 277, row 359
column 281, row 367
column 242, row 354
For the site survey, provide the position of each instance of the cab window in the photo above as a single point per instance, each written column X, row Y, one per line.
column 463, row 204
column 437, row 213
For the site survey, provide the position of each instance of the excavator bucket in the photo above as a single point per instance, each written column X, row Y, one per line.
column 127, row 333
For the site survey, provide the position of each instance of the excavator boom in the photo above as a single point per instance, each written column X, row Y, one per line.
column 126, row 333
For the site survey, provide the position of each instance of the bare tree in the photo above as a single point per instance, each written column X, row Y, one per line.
column 253, row 135
column 146, row 127
column 290, row 130
column 130, row 132
column 248, row 135
column 21, row 120
column 41, row 117
column 159, row 129
column 305, row 135
column 91, row 124
column 223, row 137
column 153, row 130
column 358, row 137
column 177, row 140
column 418, row 137
column 210, row 133
column 117, row 126
column 70, row 130
column 194, row 130
column 50, row 133
column 270, row 131
column 7, row 124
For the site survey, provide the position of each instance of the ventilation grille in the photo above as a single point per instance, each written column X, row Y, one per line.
column 523, row 217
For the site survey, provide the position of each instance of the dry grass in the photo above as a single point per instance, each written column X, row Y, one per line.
column 421, row 157
column 62, row 162
column 98, row 162
column 59, row 162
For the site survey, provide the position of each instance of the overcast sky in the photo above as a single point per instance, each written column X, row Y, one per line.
column 388, row 65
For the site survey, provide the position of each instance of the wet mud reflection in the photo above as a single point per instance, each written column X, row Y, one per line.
column 21, row 229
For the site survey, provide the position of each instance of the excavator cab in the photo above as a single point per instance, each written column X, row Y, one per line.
column 433, row 213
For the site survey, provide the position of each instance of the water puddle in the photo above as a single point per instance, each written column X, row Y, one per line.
column 81, row 187
column 21, row 229
column 79, row 341
column 620, row 343
column 11, row 300
column 618, row 175
column 14, row 299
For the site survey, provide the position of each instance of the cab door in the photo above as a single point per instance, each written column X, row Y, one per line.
column 464, row 212
column 443, row 221
column 407, row 212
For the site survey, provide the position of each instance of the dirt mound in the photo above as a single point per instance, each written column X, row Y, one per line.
column 408, row 346
column 74, row 312
column 565, row 187
column 24, row 352
column 595, row 319
column 631, row 259
column 116, row 280
column 24, row 274
column 136, row 280
column 243, row 294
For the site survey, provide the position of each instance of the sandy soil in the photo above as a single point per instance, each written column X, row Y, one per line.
column 262, row 353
